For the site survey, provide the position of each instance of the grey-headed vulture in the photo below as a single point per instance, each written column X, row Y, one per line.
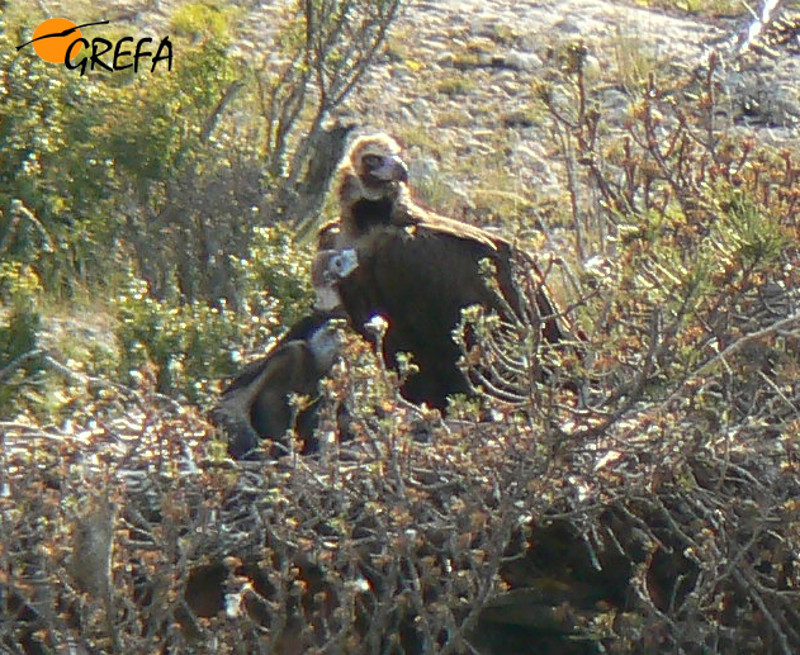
column 418, row 270
column 256, row 404
column 328, row 268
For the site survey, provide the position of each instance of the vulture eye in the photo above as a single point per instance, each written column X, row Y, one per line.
column 372, row 161
column 343, row 264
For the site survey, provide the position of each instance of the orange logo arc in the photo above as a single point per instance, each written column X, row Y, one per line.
column 54, row 48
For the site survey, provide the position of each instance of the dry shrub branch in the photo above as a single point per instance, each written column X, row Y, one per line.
column 652, row 510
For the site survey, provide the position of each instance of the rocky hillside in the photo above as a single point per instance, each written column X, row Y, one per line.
column 647, row 504
column 459, row 80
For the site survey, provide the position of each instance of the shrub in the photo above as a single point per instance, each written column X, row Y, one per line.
column 152, row 188
column 21, row 364
column 192, row 346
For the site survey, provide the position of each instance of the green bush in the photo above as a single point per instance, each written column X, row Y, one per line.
column 50, row 164
column 80, row 153
column 21, row 364
column 203, row 20
column 193, row 346
column 187, row 345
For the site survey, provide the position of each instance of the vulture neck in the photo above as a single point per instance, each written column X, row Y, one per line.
column 370, row 213
column 370, row 210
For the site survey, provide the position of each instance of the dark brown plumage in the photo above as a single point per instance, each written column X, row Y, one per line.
column 256, row 404
column 418, row 270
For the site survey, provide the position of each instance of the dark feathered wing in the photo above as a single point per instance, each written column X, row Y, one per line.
column 407, row 214
column 419, row 271
column 291, row 370
column 510, row 264
column 255, row 404
column 420, row 276
column 465, row 246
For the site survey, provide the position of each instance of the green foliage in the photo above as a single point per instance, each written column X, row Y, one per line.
column 757, row 233
column 165, row 116
column 191, row 347
column 20, row 363
column 50, row 164
column 203, row 19
column 78, row 150
column 277, row 275
column 188, row 346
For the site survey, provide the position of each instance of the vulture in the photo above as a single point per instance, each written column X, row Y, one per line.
column 328, row 268
column 256, row 403
column 418, row 270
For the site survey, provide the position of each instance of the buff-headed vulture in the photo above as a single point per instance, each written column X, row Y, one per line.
column 419, row 270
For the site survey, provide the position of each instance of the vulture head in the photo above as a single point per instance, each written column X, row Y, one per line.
column 327, row 270
column 324, row 343
column 372, row 170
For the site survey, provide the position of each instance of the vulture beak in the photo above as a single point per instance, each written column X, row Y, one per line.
column 393, row 169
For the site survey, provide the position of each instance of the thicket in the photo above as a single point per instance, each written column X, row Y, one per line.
column 172, row 193
column 653, row 512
